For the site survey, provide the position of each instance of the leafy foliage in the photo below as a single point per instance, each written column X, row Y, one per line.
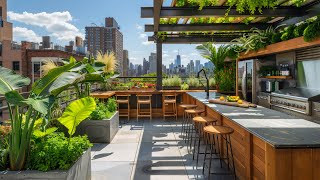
column 56, row 152
column 104, row 110
column 312, row 32
column 184, row 86
column 10, row 81
column 225, row 78
column 109, row 60
column 4, row 146
column 288, row 33
column 172, row 81
column 298, row 31
column 193, row 81
column 76, row 112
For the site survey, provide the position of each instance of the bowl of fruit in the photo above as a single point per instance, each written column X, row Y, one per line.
column 233, row 98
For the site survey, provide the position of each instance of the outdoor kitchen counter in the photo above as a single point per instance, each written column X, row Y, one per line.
column 278, row 129
column 267, row 144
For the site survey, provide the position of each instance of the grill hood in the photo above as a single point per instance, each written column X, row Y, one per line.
column 298, row 93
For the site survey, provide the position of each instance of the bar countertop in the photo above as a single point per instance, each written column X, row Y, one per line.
column 276, row 128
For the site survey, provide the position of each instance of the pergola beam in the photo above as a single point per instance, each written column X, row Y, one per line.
column 156, row 13
column 195, row 39
column 186, row 12
column 206, row 27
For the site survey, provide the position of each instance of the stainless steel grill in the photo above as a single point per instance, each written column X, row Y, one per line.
column 295, row 99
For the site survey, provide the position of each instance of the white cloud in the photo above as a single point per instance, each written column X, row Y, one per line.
column 139, row 27
column 194, row 54
column 25, row 34
column 165, row 55
column 147, row 43
column 143, row 36
column 56, row 23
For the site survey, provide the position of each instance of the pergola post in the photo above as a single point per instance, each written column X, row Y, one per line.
column 159, row 65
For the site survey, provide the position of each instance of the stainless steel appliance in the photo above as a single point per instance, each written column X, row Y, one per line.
column 295, row 99
column 246, row 80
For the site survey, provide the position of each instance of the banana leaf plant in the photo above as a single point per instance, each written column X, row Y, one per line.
column 25, row 111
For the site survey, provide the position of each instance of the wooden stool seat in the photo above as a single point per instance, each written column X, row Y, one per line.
column 222, row 130
column 168, row 101
column 188, row 106
column 144, row 101
column 195, row 111
column 201, row 119
column 122, row 101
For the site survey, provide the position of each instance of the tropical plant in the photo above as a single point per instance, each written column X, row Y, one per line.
column 298, row 31
column 288, row 33
column 76, row 112
column 56, row 152
column 109, row 60
column 24, row 112
column 214, row 54
column 225, row 78
column 48, row 66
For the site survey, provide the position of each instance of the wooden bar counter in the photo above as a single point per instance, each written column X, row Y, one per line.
column 267, row 144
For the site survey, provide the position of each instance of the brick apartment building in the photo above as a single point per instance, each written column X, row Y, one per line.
column 106, row 39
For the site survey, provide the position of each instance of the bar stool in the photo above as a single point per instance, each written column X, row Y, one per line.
column 199, row 123
column 191, row 113
column 144, row 100
column 169, row 99
column 184, row 119
column 123, row 99
column 224, row 133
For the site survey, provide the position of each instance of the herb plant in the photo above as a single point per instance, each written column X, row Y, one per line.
column 56, row 152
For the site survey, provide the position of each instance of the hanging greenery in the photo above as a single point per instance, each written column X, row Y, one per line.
column 241, row 5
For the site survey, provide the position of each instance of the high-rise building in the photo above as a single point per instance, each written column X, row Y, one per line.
column 79, row 41
column 191, row 70
column 125, row 67
column 106, row 39
column 197, row 67
column 209, row 65
column 153, row 62
column 146, row 66
column 139, row 70
column 46, row 42
column 178, row 61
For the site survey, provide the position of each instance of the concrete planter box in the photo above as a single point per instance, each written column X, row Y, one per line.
column 100, row 131
column 81, row 170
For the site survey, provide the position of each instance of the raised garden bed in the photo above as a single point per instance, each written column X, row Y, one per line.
column 81, row 170
column 100, row 131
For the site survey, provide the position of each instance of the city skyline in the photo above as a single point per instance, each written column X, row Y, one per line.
column 66, row 19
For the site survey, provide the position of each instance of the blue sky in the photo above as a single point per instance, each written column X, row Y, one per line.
column 63, row 19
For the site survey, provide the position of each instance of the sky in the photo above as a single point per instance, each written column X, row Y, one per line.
column 65, row 19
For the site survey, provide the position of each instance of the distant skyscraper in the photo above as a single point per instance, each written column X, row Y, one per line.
column 146, row 66
column 197, row 67
column 191, row 67
column 139, row 70
column 178, row 61
column 164, row 68
column 209, row 65
column 125, row 67
column 153, row 62
column 106, row 39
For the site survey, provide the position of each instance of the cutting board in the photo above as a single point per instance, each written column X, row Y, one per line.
column 245, row 104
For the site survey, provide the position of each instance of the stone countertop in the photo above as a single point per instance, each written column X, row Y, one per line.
column 276, row 128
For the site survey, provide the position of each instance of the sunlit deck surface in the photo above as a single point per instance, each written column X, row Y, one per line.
column 147, row 150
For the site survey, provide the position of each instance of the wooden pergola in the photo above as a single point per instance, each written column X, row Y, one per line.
column 186, row 32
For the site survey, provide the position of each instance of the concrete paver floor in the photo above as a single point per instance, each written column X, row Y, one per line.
column 147, row 150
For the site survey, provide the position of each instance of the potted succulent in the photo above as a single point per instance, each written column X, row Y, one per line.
column 103, row 123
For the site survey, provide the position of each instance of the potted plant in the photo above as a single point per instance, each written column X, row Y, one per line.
column 172, row 83
column 29, row 129
column 103, row 123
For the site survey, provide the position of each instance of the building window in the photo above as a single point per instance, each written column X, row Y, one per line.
column 16, row 65
column 36, row 68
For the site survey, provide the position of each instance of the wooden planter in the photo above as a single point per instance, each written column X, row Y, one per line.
column 81, row 170
column 280, row 47
column 100, row 131
column 171, row 87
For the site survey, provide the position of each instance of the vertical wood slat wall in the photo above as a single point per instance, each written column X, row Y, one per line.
column 256, row 159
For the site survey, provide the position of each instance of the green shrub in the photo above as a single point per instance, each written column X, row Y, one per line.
column 112, row 105
column 184, row 86
column 288, row 33
column 212, row 82
column 4, row 147
column 276, row 38
column 172, row 81
column 298, row 31
column 104, row 110
column 194, row 82
column 312, row 32
column 56, row 152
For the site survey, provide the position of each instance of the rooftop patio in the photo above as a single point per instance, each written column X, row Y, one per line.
column 148, row 150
